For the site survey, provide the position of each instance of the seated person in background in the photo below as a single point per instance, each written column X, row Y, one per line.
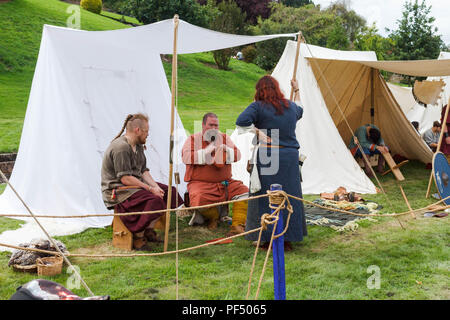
column 445, row 144
column 208, row 156
column 415, row 124
column 128, row 186
column 369, row 138
column 431, row 136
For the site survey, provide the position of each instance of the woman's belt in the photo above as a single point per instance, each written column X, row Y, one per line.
column 270, row 146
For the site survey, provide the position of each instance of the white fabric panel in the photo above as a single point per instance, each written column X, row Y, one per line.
column 79, row 99
column 329, row 163
column 85, row 83
column 159, row 37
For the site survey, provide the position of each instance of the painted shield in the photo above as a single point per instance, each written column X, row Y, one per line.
column 441, row 172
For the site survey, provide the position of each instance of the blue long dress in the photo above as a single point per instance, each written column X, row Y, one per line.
column 276, row 165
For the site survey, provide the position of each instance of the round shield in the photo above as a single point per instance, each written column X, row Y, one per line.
column 441, row 173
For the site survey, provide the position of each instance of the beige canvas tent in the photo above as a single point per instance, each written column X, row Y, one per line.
column 364, row 97
column 351, row 79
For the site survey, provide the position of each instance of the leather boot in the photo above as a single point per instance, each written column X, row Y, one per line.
column 140, row 244
column 152, row 236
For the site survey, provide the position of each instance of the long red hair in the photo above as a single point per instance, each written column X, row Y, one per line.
column 268, row 91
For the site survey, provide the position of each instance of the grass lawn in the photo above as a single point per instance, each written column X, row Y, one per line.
column 413, row 261
column 21, row 23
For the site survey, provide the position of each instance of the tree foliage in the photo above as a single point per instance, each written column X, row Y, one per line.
column 295, row 3
column 150, row 11
column 416, row 38
column 368, row 39
column 319, row 27
column 227, row 18
column 252, row 8
column 351, row 21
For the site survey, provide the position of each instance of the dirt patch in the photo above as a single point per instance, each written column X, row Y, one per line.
column 104, row 248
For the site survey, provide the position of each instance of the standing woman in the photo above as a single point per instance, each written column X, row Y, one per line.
column 274, row 118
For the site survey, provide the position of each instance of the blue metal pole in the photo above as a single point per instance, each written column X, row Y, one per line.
column 278, row 255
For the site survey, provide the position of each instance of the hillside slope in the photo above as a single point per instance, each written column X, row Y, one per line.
column 202, row 87
column 21, row 22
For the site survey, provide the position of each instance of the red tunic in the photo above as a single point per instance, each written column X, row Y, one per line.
column 206, row 181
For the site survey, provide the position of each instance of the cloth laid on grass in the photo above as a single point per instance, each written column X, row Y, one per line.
column 339, row 221
column 85, row 84
column 27, row 258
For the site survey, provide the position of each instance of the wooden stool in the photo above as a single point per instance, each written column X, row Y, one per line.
column 122, row 237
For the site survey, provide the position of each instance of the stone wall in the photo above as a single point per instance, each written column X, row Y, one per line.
column 7, row 161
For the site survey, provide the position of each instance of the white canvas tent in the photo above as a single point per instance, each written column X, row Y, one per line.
column 85, row 83
column 417, row 112
column 352, row 79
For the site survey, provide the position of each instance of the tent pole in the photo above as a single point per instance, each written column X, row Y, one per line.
column 172, row 116
column 372, row 96
column 294, row 75
column 443, row 128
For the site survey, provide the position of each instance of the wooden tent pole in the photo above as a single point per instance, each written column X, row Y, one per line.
column 443, row 128
column 407, row 202
column 172, row 116
column 294, row 74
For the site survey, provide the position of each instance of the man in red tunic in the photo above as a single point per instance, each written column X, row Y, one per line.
column 128, row 186
column 208, row 156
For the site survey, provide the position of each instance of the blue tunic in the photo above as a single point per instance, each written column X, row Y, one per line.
column 276, row 165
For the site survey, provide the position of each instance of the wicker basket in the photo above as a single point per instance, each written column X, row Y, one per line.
column 49, row 266
column 28, row 269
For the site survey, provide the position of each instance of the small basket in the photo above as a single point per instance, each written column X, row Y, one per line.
column 49, row 266
column 28, row 269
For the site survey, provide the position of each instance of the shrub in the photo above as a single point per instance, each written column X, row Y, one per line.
column 150, row 11
column 229, row 19
column 94, row 6
column 249, row 53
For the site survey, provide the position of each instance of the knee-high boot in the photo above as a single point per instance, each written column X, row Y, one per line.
column 239, row 217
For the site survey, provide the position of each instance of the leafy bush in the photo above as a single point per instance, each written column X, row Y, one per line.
column 249, row 53
column 229, row 19
column 94, row 6
column 327, row 28
column 150, row 11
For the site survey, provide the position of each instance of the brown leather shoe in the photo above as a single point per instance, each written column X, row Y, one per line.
column 287, row 246
column 140, row 244
column 234, row 230
column 152, row 236
column 212, row 224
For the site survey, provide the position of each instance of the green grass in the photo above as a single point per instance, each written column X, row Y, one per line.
column 21, row 24
column 413, row 259
column 120, row 17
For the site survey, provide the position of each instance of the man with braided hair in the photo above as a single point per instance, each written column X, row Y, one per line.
column 208, row 156
column 128, row 186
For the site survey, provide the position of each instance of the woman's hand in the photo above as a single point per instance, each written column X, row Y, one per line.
column 294, row 85
column 263, row 137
